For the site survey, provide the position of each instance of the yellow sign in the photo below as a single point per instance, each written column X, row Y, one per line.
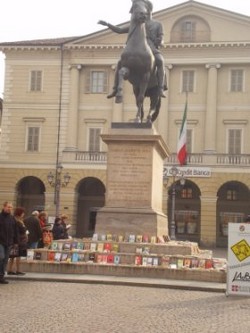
column 241, row 250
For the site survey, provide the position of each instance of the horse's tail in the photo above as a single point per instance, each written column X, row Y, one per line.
column 155, row 102
column 157, row 110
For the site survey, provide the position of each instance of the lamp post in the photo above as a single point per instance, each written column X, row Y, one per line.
column 174, row 173
column 55, row 180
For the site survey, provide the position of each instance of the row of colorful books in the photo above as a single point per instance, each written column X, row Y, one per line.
column 73, row 257
column 131, row 238
column 172, row 262
column 94, row 247
column 98, row 258
column 177, row 262
column 84, row 246
column 147, row 261
column 104, row 247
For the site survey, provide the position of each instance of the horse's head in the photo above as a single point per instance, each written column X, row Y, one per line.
column 139, row 10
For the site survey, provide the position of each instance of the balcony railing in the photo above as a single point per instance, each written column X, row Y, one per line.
column 85, row 157
column 213, row 159
column 88, row 157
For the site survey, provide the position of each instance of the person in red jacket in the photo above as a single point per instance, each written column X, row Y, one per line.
column 43, row 219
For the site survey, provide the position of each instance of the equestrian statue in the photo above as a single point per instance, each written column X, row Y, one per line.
column 141, row 62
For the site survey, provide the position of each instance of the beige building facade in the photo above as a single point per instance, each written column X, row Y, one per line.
column 55, row 108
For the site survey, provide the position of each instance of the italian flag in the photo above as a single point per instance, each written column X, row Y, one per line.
column 182, row 142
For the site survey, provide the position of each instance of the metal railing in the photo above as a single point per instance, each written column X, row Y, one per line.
column 213, row 159
column 202, row 159
column 85, row 157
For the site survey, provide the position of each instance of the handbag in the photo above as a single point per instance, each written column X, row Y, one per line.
column 14, row 251
column 47, row 238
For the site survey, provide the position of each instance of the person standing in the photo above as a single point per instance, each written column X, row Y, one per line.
column 66, row 226
column 43, row 224
column 15, row 258
column 43, row 219
column 8, row 237
column 58, row 230
column 247, row 219
column 35, row 231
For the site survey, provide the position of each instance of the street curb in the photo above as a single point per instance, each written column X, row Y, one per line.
column 169, row 284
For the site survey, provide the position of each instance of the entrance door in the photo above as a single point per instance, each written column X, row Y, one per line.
column 232, row 206
column 30, row 194
column 90, row 197
column 186, row 211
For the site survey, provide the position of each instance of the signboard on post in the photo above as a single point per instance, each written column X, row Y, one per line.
column 238, row 269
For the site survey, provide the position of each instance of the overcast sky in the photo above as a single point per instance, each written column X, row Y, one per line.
column 35, row 19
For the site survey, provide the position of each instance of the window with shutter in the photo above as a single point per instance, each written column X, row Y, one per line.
column 36, row 81
column 97, row 82
column 234, row 141
column 188, row 31
column 188, row 81
column 236, row 80
column 33, row 137
column 94, row 139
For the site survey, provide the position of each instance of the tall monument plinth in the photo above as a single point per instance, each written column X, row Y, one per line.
column 133, row 202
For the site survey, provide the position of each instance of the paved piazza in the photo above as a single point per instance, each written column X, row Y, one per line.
column 36, row 307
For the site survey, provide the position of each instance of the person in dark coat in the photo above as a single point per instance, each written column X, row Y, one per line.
column 247, row 220
column 8, row 237
column 15, row 258
column 58, row 230
column 35, row 231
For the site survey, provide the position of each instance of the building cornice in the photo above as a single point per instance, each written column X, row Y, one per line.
column 29, row 48
column 165, row 46
column 208, row 45
column 235, row 44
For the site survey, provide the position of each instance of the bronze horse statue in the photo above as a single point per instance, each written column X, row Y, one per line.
column 137, row 65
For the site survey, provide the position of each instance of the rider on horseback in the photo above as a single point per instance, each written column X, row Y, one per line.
column 154, row 33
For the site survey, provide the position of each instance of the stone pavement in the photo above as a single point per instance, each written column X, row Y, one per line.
column 72, row 303
column 35, row 307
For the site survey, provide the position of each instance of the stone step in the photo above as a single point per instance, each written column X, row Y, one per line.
column 159, row 272
column 170, row 260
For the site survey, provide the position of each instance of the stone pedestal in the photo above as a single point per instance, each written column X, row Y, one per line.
column 133, row 202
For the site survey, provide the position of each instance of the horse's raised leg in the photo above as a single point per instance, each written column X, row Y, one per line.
column 122, row 75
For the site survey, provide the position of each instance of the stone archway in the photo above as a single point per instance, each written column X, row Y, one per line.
column 30, row 194
column 91, row 197
column 232, row 206
column 187, row 211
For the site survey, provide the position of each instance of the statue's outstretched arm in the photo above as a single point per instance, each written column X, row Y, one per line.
column 114, row 28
